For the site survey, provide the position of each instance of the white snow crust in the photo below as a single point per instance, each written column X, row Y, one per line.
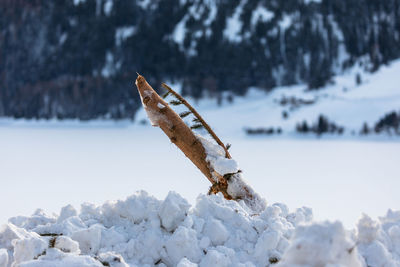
column 145, row 231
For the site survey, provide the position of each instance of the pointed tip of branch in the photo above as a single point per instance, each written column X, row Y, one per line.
column 140, row 79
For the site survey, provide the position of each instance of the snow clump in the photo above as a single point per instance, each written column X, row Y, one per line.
column 145, row 231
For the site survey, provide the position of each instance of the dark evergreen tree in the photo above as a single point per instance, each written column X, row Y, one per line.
column 390, row 123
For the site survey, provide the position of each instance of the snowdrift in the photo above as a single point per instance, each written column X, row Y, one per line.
column 145, row 231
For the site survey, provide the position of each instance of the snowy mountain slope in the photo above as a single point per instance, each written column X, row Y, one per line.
column 344, row 101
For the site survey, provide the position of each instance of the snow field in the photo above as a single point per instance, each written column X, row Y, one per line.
column 53, row 165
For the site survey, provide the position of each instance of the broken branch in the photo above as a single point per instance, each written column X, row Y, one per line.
column 225, row 178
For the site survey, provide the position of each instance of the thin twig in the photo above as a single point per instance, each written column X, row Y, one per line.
column 197, row 115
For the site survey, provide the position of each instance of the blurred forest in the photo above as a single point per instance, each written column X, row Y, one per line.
column 78, row 59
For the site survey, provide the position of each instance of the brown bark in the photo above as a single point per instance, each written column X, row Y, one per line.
column 173, row 126
column 198, row 116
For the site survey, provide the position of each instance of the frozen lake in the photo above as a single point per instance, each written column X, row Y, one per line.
column 49, row 166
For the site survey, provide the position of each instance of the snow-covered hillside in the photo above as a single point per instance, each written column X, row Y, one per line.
column 344, row 101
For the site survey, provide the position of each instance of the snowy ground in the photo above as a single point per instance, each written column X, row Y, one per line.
column 50, row 165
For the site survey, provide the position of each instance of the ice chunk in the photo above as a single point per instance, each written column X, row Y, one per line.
column 394, row 234
column 57, row 258
column 183, row 243
column 9, row 232
column 28, row 248
column 268, row 241
column 376, row 254
column 39, row 217
column 215, row 258
column 379, row 241
column 216, row 231
column 321, row 244
column 66, row 212
column 113, row 260
column 204, row 242
column 66, row 244
column 367, row 229
column 300, row 216
column 112, row 236
column 173, row 211
column 186, row 263
column 3, row 257
column 66, row 227
column 135, row 208
column 88, row 239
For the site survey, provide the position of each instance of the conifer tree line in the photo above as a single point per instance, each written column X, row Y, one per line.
column 78, row 59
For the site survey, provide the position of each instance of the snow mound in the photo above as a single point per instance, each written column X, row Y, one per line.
column 321, row 245
column 145, row 231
